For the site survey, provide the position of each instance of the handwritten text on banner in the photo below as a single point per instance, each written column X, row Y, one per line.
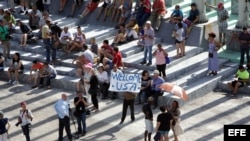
column 122, row 82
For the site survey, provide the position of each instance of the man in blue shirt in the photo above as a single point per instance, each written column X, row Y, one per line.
column 62, row 110
column 176, row 15
column 193, row 17
column 155, row 84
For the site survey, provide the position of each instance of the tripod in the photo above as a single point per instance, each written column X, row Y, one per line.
column 73, row 121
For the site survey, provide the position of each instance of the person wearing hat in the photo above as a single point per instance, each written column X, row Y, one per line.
column 149, row 35
column 213, row 61
column 244, row 39
column 241, row 78
column 146, row 109
column 103, row 80
column 155, row 85
column 4, row 127
column 222, row 15
column 24, row 119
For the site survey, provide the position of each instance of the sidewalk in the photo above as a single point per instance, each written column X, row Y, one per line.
column 202, row 119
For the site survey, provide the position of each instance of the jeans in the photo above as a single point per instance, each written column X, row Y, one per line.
column 64, row 123
column 142, row 97
column 243, row 51
column 47, row 45
column 148, row 52
column 52, row 76
column 142, row 18
column 81, row 122
column 26, row 131
column 6, row 48
column 53, row 48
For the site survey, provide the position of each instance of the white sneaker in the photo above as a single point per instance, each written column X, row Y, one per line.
column 15, row 82
column 10, row 81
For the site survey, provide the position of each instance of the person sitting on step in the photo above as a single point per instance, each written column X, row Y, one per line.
column 91, row 6
column 79, row 40
column 48, row 72
column 16, row 68
column 241, row 79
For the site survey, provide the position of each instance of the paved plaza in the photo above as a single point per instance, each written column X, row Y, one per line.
column 202, row 119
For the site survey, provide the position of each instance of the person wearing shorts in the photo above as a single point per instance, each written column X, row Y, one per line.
column 164, row 121
column 146, row 109
column 242, row 77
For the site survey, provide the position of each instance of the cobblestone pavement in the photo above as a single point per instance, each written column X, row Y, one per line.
column 202, row 119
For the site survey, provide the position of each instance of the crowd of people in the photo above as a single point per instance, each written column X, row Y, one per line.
column 95, row 64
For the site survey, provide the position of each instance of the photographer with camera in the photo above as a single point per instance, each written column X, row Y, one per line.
column 3, row 129
column 62, row 110
column 80, row 113
column 24, row 119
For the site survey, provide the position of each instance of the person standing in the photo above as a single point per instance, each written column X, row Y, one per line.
column 80, row 113
column 4, row 40
column 25, row 117
column 62, row 109
column 244, row 39
column 128, row 100
column 175, row 111
column 93, row 90
column 163, row 125
column 146, row 109
column 222, row 16
column 158, row 12
column 46, row 39
column 213, row 61
column 160, row 56
column 4, row 127
column 86, row 79
column 155, row 84
column 148, row 36
column 145, row 87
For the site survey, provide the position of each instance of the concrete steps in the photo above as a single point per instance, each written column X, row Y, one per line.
column 201, row 86
column 222, row 85
column 133, row 61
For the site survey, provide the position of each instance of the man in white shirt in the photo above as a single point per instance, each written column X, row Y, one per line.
column 49, row 72
column 65, row 38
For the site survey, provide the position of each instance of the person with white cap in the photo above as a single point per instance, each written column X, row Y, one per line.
column 155, row 85
column 222, row 15
column 3, row 129
column 149, row 35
